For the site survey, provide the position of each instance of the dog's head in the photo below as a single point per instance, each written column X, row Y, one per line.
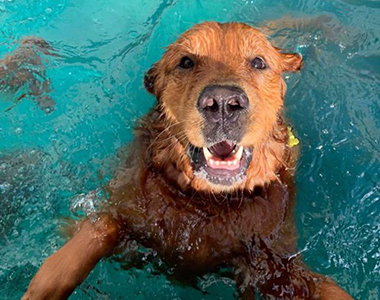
column 221, row 91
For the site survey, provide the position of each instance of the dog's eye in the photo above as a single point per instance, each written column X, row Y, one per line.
column 186, row 63
column 258, row 63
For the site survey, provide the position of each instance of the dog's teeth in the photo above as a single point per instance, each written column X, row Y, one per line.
column 212, row 162
column 206, row 153
column 239, row 153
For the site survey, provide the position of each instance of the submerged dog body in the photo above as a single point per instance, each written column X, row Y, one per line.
column 208, row 179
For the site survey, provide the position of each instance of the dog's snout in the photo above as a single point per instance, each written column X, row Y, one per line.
column 222, row 103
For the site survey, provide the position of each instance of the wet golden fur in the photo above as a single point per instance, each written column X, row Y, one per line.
column 223, row 53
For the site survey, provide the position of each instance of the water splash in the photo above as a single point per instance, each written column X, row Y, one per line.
column 87, row 204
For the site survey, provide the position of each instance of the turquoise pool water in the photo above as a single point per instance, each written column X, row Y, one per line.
column 47, row 161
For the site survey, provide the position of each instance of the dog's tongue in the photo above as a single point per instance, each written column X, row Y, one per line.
column 222, row 149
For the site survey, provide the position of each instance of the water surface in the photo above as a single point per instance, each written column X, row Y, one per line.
column 104, row 47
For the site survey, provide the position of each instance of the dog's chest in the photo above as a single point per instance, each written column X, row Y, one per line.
column 199, row 232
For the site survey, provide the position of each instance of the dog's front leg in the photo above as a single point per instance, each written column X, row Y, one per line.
column 69, row 266
column 278, row 276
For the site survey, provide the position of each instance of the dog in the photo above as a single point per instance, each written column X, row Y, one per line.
column 208, row 180
column 23, row 71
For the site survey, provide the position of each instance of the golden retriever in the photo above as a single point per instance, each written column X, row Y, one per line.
column 208, row 179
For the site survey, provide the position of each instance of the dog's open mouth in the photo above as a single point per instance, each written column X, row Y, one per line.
column 224, row 163
column 223, row 156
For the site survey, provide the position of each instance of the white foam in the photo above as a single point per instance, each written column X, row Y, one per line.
column 87, row 204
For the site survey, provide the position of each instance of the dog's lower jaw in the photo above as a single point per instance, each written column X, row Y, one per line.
column 200, row 184
column 182, row 174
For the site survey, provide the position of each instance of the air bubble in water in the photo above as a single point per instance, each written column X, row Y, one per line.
column 18, row 131
column 133, row 34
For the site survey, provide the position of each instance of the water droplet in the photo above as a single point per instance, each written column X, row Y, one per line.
column 18, row 131
column 133, row 34
column 4, row 187
column 48, row 11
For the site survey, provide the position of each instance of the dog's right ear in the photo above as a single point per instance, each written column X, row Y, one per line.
column 149, row 79
column 291, row 62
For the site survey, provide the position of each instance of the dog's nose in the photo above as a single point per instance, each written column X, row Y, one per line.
column 222, row 103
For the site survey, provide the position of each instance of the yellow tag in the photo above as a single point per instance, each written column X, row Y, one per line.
column 292, row 141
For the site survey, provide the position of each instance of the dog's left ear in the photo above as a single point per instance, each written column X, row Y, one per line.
column 149, row 79
column 291, row 62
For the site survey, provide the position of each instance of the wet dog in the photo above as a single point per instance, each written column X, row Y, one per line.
column 208, row 179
